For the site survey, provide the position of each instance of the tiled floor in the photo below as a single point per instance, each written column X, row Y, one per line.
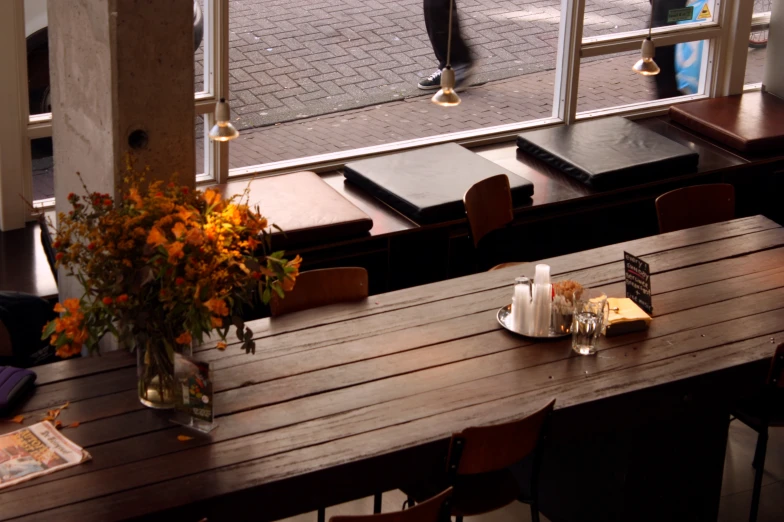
column 736, row 486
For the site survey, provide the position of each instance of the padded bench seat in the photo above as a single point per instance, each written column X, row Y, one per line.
column 427, row 185
column 750, row 122
column 304, row 206
column 609, row 153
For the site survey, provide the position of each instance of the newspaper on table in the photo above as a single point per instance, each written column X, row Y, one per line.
column 36, row 450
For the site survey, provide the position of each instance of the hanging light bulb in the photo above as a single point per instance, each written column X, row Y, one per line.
column 446, row 96
column 645, row 65
column 223, row 130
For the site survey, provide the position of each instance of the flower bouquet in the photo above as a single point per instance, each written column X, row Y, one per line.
column 160, row 268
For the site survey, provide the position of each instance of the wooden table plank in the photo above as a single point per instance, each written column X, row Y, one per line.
column 467, row 383
column 359, row 381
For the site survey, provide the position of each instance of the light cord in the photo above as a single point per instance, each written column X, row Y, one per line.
column 449, row 36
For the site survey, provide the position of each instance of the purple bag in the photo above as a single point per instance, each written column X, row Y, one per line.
column 14, row 385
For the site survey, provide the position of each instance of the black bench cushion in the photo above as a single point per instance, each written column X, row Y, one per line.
column 609, row 152
column 427, row 185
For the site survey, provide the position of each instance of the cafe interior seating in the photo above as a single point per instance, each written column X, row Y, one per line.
column 760, row 413
column 322, row 287
column 490, row 467
column 695, row 206
column 488, row 207
column 435, row 509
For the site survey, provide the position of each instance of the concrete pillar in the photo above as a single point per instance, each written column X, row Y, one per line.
column 773, row 79
column 122, row 81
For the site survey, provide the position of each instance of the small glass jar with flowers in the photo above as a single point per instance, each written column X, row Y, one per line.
column 161, row 268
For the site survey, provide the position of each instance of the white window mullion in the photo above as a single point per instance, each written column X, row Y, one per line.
column 732, row 49
column 216, row 154
column 567, row 70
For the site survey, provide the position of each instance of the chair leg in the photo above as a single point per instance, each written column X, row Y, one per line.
column 759, row 458
column 377, row 503
column 321, row 515
column 534, row 512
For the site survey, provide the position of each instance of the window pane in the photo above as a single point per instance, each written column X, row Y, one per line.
column 43, row 169
column 608, row 81
column 201, row 143
column 305, row 80
column 200, row 27
column 611, row 17
column 758, row 43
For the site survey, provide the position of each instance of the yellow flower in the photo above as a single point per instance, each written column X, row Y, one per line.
column 156, row 237
column 133, row 196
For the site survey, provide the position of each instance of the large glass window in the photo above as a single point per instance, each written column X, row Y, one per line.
column 313, row 85
column 306, row 80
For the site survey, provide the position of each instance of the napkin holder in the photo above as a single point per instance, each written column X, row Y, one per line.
column 625, row 317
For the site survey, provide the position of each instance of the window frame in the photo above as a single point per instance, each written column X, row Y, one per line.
column 727, row 51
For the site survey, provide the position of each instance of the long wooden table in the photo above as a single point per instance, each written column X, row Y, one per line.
column 343, row 401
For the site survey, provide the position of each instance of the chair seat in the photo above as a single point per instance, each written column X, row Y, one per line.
column 752, row 411
column 473, row 494
column 506, row 265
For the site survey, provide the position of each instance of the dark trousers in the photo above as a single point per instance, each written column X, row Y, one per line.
column 666, row 84
column 437, row 23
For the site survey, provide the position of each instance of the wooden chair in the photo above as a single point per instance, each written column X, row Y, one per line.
column 761, row 413
column 488, row 206
column 322, row 287
column 695, row 206
column 480, row 462
column 434, row 510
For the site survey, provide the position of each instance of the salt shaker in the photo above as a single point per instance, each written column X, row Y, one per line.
column 542, row 301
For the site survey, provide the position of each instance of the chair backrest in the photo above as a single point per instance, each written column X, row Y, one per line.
column 695, row 206
column 488, row 205
column 776, row 373
column 322, row 287
column 435, row 509
column 490, row 448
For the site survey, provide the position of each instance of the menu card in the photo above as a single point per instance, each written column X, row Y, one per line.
column 194, row 394
column 638, row 281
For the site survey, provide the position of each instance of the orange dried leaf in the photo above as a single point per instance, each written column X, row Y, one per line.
column 58, row 425
column 184, row 438
column 19, row 419
column 64, row 406
column 53, row 413
column 74, row 424
column 49, row 418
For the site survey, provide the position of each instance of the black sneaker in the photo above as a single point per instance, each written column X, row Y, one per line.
column 432, row 82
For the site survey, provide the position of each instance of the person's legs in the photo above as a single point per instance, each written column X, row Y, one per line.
column 437, row 24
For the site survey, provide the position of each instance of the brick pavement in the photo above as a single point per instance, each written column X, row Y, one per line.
column 291, row 59
column 603, row 83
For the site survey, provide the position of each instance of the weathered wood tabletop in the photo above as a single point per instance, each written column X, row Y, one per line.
column 342, row 401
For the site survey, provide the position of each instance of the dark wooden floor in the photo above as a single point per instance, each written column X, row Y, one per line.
column 735, row 490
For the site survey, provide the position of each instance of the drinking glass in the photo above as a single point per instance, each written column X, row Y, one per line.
column 590, row 316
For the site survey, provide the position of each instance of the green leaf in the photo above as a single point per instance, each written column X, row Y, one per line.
column 278, row 290
column 49, row 330
column 266, row 296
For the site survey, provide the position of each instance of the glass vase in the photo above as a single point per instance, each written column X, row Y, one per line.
column 155, row 373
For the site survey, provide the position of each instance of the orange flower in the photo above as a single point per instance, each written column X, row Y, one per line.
column 217, row 322
column 221, row 345
column 156, row 237
column 175, row 251
column 107, row 300
column 194, row 237
column 68, row 350
column 217, row 306
column 211, row 197
column 122, row 298
column 134, row 197
column 184, row 338
column 178, row 230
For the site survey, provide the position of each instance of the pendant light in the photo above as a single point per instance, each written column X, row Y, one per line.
column 645, row 65
column 223, row 130
column 446, row 96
